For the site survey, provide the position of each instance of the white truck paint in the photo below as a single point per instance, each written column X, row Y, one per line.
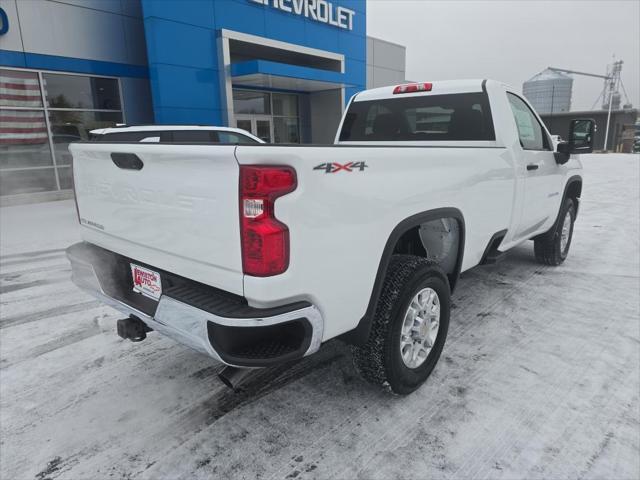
column 180, row 213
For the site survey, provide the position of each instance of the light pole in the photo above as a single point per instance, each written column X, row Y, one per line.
column 606, row 131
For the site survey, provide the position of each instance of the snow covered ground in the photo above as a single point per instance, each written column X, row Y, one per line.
column 540, row 377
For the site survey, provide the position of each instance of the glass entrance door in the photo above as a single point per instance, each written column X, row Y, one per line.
column 259, row 125
column 263, row 129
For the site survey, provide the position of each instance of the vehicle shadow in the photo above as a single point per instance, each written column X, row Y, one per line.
column 264, row 381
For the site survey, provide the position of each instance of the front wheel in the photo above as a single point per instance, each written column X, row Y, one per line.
column 409, row 327
column 552, row 248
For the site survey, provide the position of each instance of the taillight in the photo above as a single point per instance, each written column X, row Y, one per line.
column 413, row 87
column 265, row 240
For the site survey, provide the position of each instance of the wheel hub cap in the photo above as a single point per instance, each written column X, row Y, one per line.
column 420, row 327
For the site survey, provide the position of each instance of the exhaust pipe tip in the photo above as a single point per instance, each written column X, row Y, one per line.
column 233, row 377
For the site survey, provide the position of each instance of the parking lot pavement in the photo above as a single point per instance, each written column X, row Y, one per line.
column 540, row 377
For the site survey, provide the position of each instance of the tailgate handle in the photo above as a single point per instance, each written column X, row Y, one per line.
column 127, row 161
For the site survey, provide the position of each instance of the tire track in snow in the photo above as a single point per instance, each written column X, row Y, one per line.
column 8, row 288
column 8, row 322
column 62, row 267
column 35, row 253
column 55, row 344
column 29, row 260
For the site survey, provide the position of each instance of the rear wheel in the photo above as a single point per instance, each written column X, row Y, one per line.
column 409, row 327
column 552, row 248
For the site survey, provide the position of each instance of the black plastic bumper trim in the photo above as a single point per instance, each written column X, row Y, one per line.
column 263, row 345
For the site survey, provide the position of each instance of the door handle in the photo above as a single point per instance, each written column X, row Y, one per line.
column 127, row 161
column 532, row 166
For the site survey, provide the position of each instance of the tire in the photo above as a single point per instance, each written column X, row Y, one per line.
column 548, row 246
column 380, row 359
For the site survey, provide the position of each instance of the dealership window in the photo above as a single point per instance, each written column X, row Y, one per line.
column 286, row 122
column 250, row 102
column 41, row 113
column 272, row 116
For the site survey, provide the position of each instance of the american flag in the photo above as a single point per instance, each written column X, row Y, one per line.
column 21, row 127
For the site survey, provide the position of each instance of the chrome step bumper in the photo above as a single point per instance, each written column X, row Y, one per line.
column 194, row 327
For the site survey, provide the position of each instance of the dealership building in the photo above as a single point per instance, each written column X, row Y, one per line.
column 281, row 69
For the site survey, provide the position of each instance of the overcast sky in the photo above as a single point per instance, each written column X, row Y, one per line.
column 512, row 40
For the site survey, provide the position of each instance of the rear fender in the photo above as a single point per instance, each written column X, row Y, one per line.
column 360, row 334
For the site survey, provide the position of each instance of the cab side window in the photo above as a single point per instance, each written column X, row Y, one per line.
column 531, row 133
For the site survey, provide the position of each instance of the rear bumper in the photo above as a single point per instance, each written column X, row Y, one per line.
column 208, row 320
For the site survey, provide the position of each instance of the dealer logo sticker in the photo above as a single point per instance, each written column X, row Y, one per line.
column 146, row 281
column 335, row 167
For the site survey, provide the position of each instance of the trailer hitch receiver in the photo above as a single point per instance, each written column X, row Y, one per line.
column 132, row 328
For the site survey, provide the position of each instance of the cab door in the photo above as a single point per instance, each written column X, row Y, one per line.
column 537, row 164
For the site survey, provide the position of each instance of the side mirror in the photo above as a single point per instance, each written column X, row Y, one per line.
column 581, row 135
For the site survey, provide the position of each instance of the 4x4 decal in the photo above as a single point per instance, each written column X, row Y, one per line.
column 337, row 167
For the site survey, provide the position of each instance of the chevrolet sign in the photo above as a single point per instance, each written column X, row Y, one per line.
column 4, row 22
column 318, row 10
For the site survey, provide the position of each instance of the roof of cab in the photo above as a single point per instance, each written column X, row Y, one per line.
column 439, row 87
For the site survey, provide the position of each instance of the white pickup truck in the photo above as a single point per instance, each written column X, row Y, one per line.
column 258, row 254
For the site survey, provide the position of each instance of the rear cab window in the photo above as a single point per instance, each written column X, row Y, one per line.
column 449, row 117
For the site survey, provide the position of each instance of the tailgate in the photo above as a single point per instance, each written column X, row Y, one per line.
column 179, row 212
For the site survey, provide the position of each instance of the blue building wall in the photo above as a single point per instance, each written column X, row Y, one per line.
column 182, row 51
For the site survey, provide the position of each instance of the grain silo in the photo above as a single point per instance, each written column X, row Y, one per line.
column 549, row 92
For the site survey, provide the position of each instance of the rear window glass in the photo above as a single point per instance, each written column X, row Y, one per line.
column 464, row 116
